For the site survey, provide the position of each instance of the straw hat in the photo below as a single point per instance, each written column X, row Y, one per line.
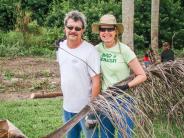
column 107, row 19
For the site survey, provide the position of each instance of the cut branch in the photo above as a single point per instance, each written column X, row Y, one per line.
column 45, row 95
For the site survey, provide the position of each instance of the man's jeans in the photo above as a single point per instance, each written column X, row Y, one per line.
column 108, row 130
column 75, row 132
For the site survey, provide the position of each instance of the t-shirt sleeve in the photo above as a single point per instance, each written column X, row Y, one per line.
column 93, row 62
column 128, row 54
column 58, row 51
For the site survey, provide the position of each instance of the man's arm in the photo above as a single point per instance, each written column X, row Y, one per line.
column 95, row 85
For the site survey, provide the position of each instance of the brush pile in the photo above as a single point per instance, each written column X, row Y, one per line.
column 163, row 92
column 161, row 95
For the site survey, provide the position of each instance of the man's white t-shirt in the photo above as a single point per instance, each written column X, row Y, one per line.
column 77, row 66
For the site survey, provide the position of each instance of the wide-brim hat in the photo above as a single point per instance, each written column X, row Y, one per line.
column 107, row 19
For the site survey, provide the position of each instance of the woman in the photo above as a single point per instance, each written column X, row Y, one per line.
column 117, row 60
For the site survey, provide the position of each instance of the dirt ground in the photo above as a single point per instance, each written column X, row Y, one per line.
column 19, row 77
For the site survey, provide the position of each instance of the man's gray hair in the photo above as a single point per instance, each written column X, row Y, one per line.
column 76, row 16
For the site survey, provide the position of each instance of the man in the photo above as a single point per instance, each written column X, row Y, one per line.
column 79, row 69
column 167, row 53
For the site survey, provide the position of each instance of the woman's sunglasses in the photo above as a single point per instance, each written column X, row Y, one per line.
column 107, row 29
column 75, row 28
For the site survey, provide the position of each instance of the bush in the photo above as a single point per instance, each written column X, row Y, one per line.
column 179, row 53
column 139, row 41
column 40, row 51
column 34, row 28
column 9, row 50
column 13, row 37
column 38, row 42
column 11, row 44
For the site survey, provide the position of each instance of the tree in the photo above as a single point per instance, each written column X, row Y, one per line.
column 8, row 15
column 154, row 28
column 171, row 23
column 128, row 22
column 39, row 8
column 142, row 23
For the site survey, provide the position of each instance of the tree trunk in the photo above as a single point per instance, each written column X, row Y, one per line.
column 128, row 22
column 154, row 28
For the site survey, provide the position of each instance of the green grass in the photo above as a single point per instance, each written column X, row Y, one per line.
column 163, row 131
column 37, row 118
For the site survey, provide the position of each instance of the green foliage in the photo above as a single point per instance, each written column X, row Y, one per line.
column 171, row 21
column 13, row 37
column 178, row 43
column 37, row 42
column 7, row 16
column 56, row 14
column 179, row 53
column 142, row 24
column 139, row 41
column 92, row 9
column 51, row 34
column 42, row 23
column 11, row 44
column 34, row 28
column 40, row 9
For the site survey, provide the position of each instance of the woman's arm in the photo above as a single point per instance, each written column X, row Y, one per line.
column 140, row 75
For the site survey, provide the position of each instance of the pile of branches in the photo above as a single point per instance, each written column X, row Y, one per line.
column 163, row 92
column 161, row 95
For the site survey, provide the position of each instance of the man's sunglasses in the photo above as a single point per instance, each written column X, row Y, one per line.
column 107, row 29
column 76, row 28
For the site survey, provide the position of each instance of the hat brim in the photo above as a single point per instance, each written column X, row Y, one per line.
column 95, row 27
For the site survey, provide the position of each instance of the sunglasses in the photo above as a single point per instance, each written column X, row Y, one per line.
column 107, row 29
column 75, row 28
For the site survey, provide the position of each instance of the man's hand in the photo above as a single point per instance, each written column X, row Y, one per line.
column 91, row 121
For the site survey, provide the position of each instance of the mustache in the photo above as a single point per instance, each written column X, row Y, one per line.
column 73, row 33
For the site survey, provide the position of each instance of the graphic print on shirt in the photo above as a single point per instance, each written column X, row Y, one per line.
column 108, row 57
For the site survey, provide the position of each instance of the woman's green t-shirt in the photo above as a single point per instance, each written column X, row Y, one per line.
column 114, row 63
